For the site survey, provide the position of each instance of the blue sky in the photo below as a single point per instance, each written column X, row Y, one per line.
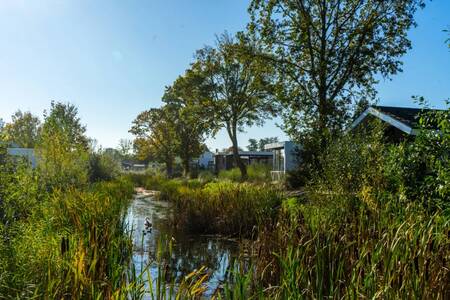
column 113, row 58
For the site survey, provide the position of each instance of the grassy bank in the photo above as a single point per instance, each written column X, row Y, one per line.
column 72, row 243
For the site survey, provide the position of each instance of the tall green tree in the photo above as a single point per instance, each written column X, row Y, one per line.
column 329, row 54
column 191, row 129
column 252, row 145
column 62, row 150
column 265, row 141
column 156, row 137
column 255, row 145
column 64, row 117
column 23, row 129
column 239, row 86
column 125, row 148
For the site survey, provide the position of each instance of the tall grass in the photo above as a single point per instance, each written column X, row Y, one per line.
column 255, row 172
column 364, row 229
column 224, row 208
column 73, row 245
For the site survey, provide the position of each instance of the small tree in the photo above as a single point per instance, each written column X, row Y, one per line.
column 252, row 145
column 239, row 87
column 255, row 145
column 125, row 148
column 156, row 137
column 190, row 128
column 23, row 129
column 62, row 149
column 265, row 141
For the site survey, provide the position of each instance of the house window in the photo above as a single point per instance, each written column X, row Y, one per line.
column 278, row 160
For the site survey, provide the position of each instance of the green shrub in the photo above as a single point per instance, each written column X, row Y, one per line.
column 232, row 174
column 102, row 167
column 206, row 176
column 259, row 172
column 419, row 171
column 138, row 179
column 255, row 172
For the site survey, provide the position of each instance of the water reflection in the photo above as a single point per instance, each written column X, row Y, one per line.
column 188, row 252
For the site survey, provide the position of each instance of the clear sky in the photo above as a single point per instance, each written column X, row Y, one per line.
column 113, row 58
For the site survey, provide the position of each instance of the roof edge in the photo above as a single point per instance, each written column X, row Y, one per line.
column 388, row 119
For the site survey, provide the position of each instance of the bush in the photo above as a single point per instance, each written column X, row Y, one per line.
column 232, row 175
column 206, row 176
column 420, row 171
column 102, row 167
column 259, row 172
column 255, row 172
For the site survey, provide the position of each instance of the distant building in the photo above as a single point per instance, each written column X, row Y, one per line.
column 285, row 158
column 133, row 166
column 225, row 160
column 26, row 153
column 138, row 167
column 402, row 121
column 206, row 160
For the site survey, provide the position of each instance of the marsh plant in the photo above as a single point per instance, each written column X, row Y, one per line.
column 367, row 227
column 229, row 208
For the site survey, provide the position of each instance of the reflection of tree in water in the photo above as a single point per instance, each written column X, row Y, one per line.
column 190, row 253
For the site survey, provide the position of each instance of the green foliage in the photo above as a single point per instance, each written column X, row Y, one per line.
column 420, row 171
column 373, row 223
column 73, row 241
column 232, row 174
column 23, row 130
column 19, row 192
column 224, row 207
column 156, row 137
column 255, row 173
column 322, row 251
column 206, row 176
column 255, row 145
column 62, row 151
column 328, row 53
column 103, row 166
column 259, row 173
column 239, row 86
column 125, row 148
column 64, row 118
column 182, row 101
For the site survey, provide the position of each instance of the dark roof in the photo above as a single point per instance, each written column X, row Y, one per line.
column 406, row 115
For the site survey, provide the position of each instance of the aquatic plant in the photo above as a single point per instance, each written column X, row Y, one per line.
column 224, row 207
column 255, row 173
column 73, row 244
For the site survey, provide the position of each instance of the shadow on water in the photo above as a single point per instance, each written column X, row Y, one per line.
column 188, row 252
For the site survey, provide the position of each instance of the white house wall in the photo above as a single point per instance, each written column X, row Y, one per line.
column 24, row 152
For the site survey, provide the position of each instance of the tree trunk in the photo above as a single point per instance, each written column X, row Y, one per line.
column 232, row 132
column 186, row 166
column 169, row 168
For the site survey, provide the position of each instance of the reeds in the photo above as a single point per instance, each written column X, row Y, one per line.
column 74, row 245
column 228, row 208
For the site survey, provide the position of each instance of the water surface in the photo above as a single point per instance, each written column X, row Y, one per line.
column 189, row 252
